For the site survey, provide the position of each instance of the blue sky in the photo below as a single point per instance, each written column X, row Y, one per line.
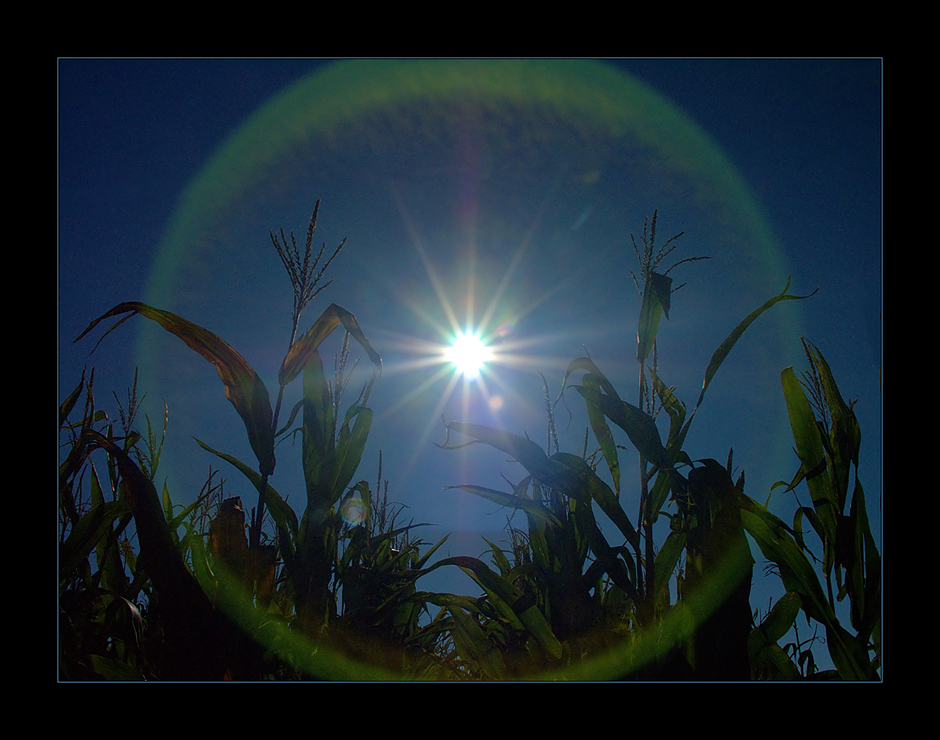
column 467, row 195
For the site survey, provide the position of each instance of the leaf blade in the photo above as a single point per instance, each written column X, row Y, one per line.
column 243, row 387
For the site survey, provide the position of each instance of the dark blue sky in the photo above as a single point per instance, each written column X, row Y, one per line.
column 805, row 136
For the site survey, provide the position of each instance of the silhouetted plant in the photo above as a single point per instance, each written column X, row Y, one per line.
column 827, row 444
column 239, row 574
column 125, row 613
column 621, row 591
column 224, row 601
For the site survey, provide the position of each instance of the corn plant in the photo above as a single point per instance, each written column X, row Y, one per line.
column 623, row 587
column 332, row 447
column 827, row 441
column 126, row 612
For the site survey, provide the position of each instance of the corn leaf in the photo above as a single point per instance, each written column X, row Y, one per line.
column 510, row 601
column 319, row 444
column 301, row 351
column 471, row 642
column 281, row 512
column 726, row 346
column 782, row 617
column 845, row 433
column 666, row 560
column 798, row 576
column 533, row 508
column 575, row 474
column 588, row 366
column 157, row 547
column 677, row 413
column 522, row 449
column 93, row 527
column 656, row 297
column 768, row 659
column 243, row 386
column 639, row 426
column 350, row 445
column 601, row 431
column 812, row 453
column 724, row 349
column 69, row 403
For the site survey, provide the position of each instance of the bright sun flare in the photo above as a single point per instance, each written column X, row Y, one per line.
column 469, row 354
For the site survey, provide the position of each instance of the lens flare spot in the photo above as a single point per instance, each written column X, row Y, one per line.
column 353, row 511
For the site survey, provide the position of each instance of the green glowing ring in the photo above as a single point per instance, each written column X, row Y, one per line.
column 339, row 101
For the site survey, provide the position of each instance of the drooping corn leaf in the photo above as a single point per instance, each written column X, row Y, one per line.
column 522, row 449
column 470, row 641
column 779, row 546
column 573, row 473
column 301, row 351
column 157, row 545
column 566, row 473
column 587, row 365
column 243, row 386
column 532, row 508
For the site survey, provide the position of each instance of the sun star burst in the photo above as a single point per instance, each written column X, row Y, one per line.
column 468, row 353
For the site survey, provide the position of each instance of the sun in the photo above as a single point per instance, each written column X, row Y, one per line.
column 469, row 354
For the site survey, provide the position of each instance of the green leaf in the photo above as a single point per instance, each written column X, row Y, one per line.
column 845, row 433
column 471, row 642
column 781, row 618
column 157, row 547
column 865, row 578
column 601, row 431
column 243, row 387
column 722, row 353
column 798, row 576
column 725, row 348
column 666, row 560
column 778, row 545
column 812, row 453
column 69, row 403
column 656, row 297
column 510, row 601
column 573, row 473
column 587, row 365
column 639, row 426
column 92, row 528
column 351, row 445
column 676, row 410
